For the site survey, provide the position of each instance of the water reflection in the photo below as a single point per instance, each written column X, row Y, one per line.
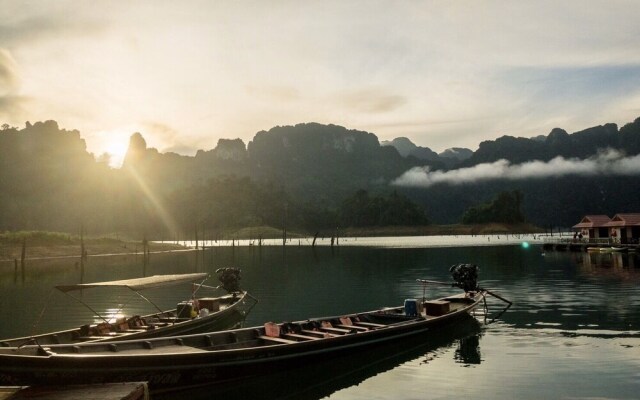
column 326, row 375
column 468, row 351
column 609, row 260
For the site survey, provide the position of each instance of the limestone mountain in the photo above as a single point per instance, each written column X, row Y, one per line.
column 448, row 158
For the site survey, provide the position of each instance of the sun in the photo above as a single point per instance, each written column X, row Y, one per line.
column 110, row 147
column 116, row 149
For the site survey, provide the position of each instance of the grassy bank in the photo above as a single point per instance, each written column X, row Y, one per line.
column 38, row 244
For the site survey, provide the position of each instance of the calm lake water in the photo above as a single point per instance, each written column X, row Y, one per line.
column 573, row 331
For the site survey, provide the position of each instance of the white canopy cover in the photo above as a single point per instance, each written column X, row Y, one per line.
column 139, row 283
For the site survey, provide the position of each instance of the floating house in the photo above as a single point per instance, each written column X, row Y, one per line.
column 622, row 228
column 593, row 227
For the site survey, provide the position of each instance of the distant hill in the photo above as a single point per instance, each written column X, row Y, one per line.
column 324, row 163
column 448, row 158
column 582, row 144
column 406, row 148
column 454, row 156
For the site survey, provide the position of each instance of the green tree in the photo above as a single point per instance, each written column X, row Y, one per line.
column 505, row 208
column 362, row 210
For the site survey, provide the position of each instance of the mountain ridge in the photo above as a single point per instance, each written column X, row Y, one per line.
column 303, row 173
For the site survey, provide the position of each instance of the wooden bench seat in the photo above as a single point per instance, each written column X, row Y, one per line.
column 334, row 330
column 298, row 336
column 319, row 334
column 349, row 327
column 368, row 324
column 277, row 339
column 87, row 338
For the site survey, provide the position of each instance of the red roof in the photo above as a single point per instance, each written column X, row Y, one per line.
column 619, row 220
column 593, row 221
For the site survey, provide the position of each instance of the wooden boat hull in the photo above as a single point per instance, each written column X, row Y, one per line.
column 234, row 311
column 213, row 357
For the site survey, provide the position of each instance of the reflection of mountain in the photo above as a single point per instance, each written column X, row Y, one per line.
column 328, row 375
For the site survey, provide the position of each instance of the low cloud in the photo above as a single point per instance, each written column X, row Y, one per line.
column 608, row 162
column 372, row 100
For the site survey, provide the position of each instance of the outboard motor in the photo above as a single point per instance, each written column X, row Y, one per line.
column 230, row 279
column 465, row 276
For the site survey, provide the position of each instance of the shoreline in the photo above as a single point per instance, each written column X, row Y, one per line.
column 12, row 253
column 69, row 248
column 443, row 230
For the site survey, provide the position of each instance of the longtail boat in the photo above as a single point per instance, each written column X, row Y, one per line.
column 197, row 314
column 192, row 360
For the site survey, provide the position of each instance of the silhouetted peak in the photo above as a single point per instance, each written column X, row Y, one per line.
column 50, row 125
column 136, row 150
column 407, row 148
column 402, row 144
column 557, row 134
column 312, row 137
column 231, row 149
column 137, row 142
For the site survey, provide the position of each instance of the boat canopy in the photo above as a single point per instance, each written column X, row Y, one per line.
column 139, row 283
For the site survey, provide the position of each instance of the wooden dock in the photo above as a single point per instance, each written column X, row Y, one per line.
column 570, row 245
column 106, row 391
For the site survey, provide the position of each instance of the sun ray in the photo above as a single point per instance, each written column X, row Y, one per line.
column 165, row 216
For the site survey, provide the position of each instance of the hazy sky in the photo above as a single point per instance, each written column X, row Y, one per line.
column 443, row 73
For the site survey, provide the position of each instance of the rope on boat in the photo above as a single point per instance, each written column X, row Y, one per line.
column 37, row 323
column 33, row 339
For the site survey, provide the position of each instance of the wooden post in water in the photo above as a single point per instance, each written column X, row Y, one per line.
column 83, row 251
column 284, row 224
column 145, row 252
column 24, row 252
